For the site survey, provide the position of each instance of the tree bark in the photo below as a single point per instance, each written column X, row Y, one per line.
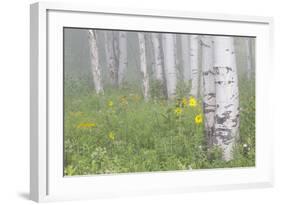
column 200, row 69
column 227, row 96
column 150, row 59
column 116, row 49
column 123, row 61
column 249, row 57
column 209, row 89
column 194, row 66
column 177, row 60
column 170, row 65
column 110, row 57
column 185, row 58
column 158, row 59
column 143, row 66
column 96, row 72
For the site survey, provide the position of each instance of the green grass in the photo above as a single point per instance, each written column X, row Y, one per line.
column 118, row 132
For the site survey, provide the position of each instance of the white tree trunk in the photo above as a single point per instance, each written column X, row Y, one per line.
column 150, row 54
column 123, row 61
column 249, row 57
column 209, row 89
column 110, row 57
column 116, row 49
column 227, row 96
column 177, row 60
column 170, row 65
column 143, row 66
column 201, row 86
column 92, row 36
column 158, row 60
column 185, row 58
column 194, row 66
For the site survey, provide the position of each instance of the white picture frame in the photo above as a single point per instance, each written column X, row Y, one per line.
column 46, row 174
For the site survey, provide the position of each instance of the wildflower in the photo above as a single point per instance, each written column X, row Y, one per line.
column 198, row 119
column 110, row 103
column 245, row 145
column 123, row 100
column 178, row 111
column 86, row 125
column 111, row 136
column 192, row 102
column 184, row 102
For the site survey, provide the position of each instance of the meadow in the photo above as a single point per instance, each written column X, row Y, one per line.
column 119, row 132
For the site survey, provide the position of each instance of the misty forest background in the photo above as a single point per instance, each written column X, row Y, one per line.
column 193, row 108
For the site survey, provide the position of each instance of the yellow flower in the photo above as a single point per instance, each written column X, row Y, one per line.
column 110, row 103
column 86, row 125
column 178, row 111
column 184, row 102
column 198, row 119
column 111, row 136
column 192, row 102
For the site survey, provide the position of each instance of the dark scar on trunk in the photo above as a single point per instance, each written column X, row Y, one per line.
column 221, row 120
column 219, row 82
column 216, row 69
column 211, row 95
column 224, row 134
column 206, row 111
column 204, row 44
column 227, row 106
column 228, row 69
column 208, row 72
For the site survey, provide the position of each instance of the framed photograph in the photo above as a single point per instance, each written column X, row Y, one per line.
column 129, row 102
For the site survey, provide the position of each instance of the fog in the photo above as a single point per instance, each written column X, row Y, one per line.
column 77, row 56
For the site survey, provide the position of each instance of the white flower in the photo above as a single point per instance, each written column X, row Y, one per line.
column 245, row 145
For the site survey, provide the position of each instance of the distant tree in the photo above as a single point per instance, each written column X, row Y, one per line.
column 194, row 65
column 170, row 65
column 143, row 66
column 123, row 61
column 110, row 57
column 96, row 72
column 150, row 59
column 185, row 58
column 158, row 58
column 116, row 48
column 248, row 44
column 176, row 53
